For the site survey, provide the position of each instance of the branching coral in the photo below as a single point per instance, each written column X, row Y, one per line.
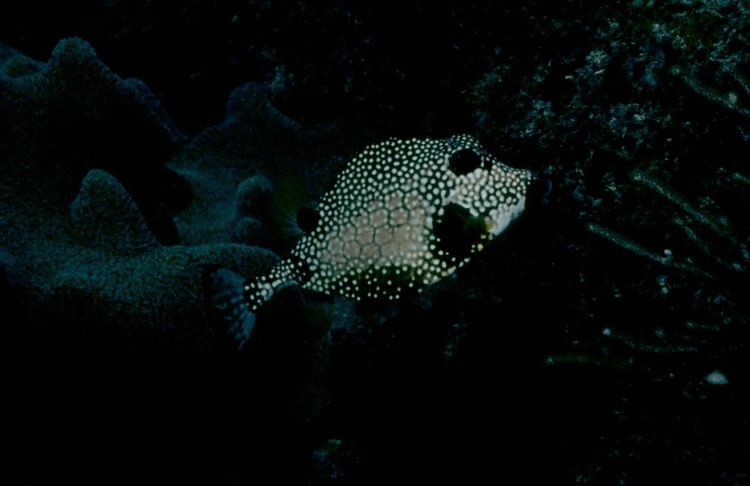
column 692, row 221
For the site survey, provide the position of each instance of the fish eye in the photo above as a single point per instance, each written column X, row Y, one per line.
column 464, row 161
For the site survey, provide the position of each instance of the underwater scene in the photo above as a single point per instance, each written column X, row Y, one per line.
column 320, row 243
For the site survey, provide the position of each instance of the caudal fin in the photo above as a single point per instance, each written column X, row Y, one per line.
column 225, row 295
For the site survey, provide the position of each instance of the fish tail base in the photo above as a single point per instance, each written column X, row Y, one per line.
column 225, row 296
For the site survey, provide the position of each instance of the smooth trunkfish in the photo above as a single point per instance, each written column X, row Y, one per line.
column 402, row 215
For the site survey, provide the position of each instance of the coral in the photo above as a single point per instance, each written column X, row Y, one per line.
column 91, row 258
column 250, row 192
column 254, row 142
column 107, row 219
column 75, row 84
column 107, row 301
column 638, row 112
column 611, row 326
column 64, row 117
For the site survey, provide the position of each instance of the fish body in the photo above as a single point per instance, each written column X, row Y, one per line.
column 402, row 215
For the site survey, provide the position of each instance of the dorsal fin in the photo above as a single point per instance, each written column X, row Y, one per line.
column 107, row 217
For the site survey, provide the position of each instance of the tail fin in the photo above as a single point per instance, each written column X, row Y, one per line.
column 225, row 294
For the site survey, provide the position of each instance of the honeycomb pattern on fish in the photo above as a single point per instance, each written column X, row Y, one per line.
column 402, row 215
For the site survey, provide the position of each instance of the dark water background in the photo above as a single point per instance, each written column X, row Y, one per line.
column 601, row 340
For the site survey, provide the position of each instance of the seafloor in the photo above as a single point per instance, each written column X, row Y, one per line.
column 600, row 340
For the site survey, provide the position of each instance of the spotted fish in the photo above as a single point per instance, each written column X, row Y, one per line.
column 402, row 215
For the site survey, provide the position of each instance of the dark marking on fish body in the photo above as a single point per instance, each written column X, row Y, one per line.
column 400, row 216
column 464, row 161
column 308, row 219
column 456, row 235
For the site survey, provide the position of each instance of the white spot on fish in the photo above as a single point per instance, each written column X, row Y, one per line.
column 402, row 214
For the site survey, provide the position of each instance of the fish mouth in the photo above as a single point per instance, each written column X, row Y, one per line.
column 497, row 221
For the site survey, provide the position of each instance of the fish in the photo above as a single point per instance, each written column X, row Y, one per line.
column 400, row 216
